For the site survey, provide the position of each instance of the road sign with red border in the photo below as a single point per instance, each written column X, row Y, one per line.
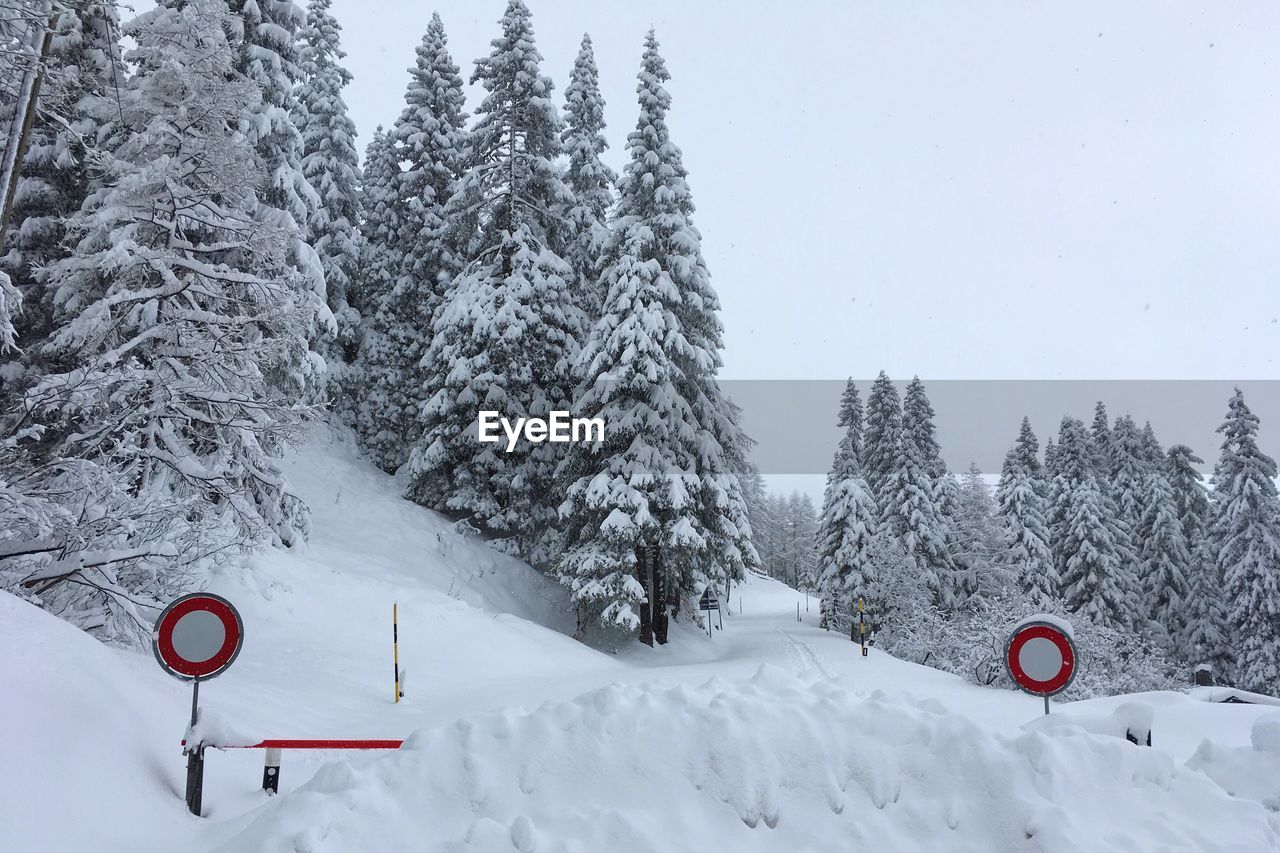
column 197, row 636
column 1041, row 658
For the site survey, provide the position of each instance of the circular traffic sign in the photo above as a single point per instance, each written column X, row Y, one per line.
column 1041, row 657
column 197, row 636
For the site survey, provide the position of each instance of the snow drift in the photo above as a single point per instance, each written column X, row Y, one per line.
column 770, row 763
column 1252, row 771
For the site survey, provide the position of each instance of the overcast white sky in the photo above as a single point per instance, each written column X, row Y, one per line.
column 975, row 190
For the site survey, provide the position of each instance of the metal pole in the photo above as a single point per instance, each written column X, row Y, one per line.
column 1046, row 703
column 195, row 758
column 271, row 772
column 395, row 645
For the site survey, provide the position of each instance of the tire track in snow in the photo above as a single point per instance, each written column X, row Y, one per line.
column 804, row 654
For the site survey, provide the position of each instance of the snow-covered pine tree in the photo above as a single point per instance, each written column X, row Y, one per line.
column 845, row 533
column 1023, row 509
column 911, row 510
column 369, row 385
column 331, row 165
column 768, row 539
column 506, row 337
column 589, row 178
column 1152, row 451
column 1126, row 474
column 1207, row 638
column 155, row 422
column 10, row 307
column 1125, row 491
column 1050, row 464
column 978, row 537
column 1247, row 540
column 1100, row 437
column 380, row 204
column 263, row 34
column 759, row 510
column 881, row 437
column 77, row 97
column 1083, row 539
column 665, row 473
column 411, row 185
column 800, row 530
column 849, row 420
column 430, row 137
column 1165, row 561
column 845, row 491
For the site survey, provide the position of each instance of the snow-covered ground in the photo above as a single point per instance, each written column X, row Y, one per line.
column 770, row 735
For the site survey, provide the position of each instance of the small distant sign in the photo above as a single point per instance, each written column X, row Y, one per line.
column 197, row 636
column 709, row 601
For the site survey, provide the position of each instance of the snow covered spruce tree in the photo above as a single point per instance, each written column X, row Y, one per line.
column 1207, row 639
column 264, row 36
column 590, row 180
column 978, row 537
column 910, row 510
column 849, row 420
column 665, row 474
column 331, row 165
column 368, row 386
column 759, row 508
column 848, row 525
column 839, row 508
column 883, row 432
column 1247, row 539
column 1165, row 562
column 1100, row 437
column 1083, row 538
column 412, row 179
column 154, row 420
column 799, row 541
column 508, row 332
column 1022, row 508
column 55, row 176
column 1050, row 464
column 1123, row 484
column 1126, row 478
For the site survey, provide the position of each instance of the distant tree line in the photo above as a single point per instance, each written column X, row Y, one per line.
column 1106, row 525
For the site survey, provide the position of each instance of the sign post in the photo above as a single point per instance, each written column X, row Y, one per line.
column 197, row 637
column 707, row 603
column 862, row 628
column 1040, row 657
column 395, row 648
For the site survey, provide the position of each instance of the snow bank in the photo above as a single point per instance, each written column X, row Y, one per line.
column 1130, row 718
column 769, row 763
column 89, row 759
column 1222, row 694
column 1251, row 772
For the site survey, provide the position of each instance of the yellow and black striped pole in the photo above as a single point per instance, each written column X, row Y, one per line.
column 862, row 629
column 395, row 645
